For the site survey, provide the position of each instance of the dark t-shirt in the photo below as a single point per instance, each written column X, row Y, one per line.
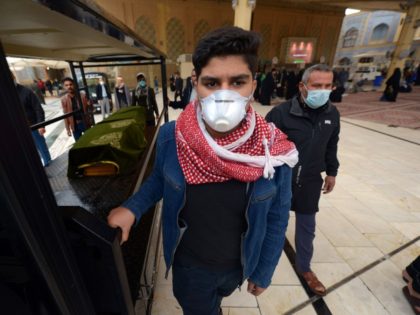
column 75, row 107
column 122, row 98
column 214, row 214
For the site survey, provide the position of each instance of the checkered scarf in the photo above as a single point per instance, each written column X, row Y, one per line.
column 200, row 163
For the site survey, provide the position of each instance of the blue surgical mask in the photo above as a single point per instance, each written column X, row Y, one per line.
column 316, row 98
column 142, row 84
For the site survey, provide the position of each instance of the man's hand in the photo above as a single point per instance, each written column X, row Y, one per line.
column 254, row 289
column 41, row 131
column 123, row 218
column 329, row 184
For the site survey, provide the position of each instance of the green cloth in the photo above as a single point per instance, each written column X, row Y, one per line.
column 119, row 139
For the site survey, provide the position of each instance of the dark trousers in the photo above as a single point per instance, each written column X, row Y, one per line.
column 304, row 238
column 199, row 291
column 79, row 128
column 41, row 146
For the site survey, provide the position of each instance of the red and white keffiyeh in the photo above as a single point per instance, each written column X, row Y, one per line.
column 246, row 154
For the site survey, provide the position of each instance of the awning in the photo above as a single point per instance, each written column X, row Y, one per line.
column 68, row 30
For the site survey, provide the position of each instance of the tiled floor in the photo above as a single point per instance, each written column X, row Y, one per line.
column 374, row 210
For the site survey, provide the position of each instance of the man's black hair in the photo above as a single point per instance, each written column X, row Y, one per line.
column 227, row 41
column 67, row 79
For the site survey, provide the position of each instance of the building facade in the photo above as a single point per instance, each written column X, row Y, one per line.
column 372, row 36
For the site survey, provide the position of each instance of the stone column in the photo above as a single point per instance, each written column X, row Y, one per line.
column 243, row 13
column 405, row 40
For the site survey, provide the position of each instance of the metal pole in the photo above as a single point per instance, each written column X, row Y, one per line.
column 85, row 86
column 164, row 87
column 82, row 71
column 76, row 85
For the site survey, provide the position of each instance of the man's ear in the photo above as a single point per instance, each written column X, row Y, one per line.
column 301, row 87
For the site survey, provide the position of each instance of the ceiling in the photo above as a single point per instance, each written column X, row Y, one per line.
column 79, row 30
column 66, row 30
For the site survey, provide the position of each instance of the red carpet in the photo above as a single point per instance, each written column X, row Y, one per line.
column 405, row 112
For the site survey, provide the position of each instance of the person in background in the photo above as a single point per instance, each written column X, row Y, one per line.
column 122, row 94
column 312, row 122
column 336, row 95
column 172, row 82
column 56, row 87
column 224, row 176
column 34, row 115
column 35, row 88
column 392, row 86
column 75, row 124
column 189, row 94
column 144, row 96
column 41, row 86
column 49, row 87
column 103, row 94
column 156, row 83
column 257, row 91
column 267, row 88
column 178, row 86
column 417, row 75
column 291, row 85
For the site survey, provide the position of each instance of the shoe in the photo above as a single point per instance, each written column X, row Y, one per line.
column 414, row 302
column 313, row 283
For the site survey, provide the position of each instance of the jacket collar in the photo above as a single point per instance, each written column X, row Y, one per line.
column 297, row 108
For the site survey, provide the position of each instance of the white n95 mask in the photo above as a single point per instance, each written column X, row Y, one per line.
column 223, row 110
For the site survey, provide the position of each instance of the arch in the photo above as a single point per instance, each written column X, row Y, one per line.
column 379, row 33
column 201, row 28
column 350, row 37
column 175, row 36
column 146, row 29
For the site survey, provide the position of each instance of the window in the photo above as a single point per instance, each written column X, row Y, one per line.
column 345, row 61
column 379, row 33
column 350, row 38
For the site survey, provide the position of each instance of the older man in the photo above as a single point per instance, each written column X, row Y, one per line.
column 313, row 124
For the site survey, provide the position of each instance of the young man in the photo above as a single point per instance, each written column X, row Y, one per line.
column 75, row 124
column 224, row 175
column 144, row 96
column 313, row 124
column 103, row 94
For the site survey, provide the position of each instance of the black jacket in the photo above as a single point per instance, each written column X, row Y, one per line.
column 99, row 95
column 30, row 102
column 315, row 134
column 148, row 101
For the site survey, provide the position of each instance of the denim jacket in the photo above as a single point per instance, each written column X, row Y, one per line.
column 267, row 212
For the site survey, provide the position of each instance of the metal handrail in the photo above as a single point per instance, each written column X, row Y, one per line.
column 149, row 152
column 49, row 122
